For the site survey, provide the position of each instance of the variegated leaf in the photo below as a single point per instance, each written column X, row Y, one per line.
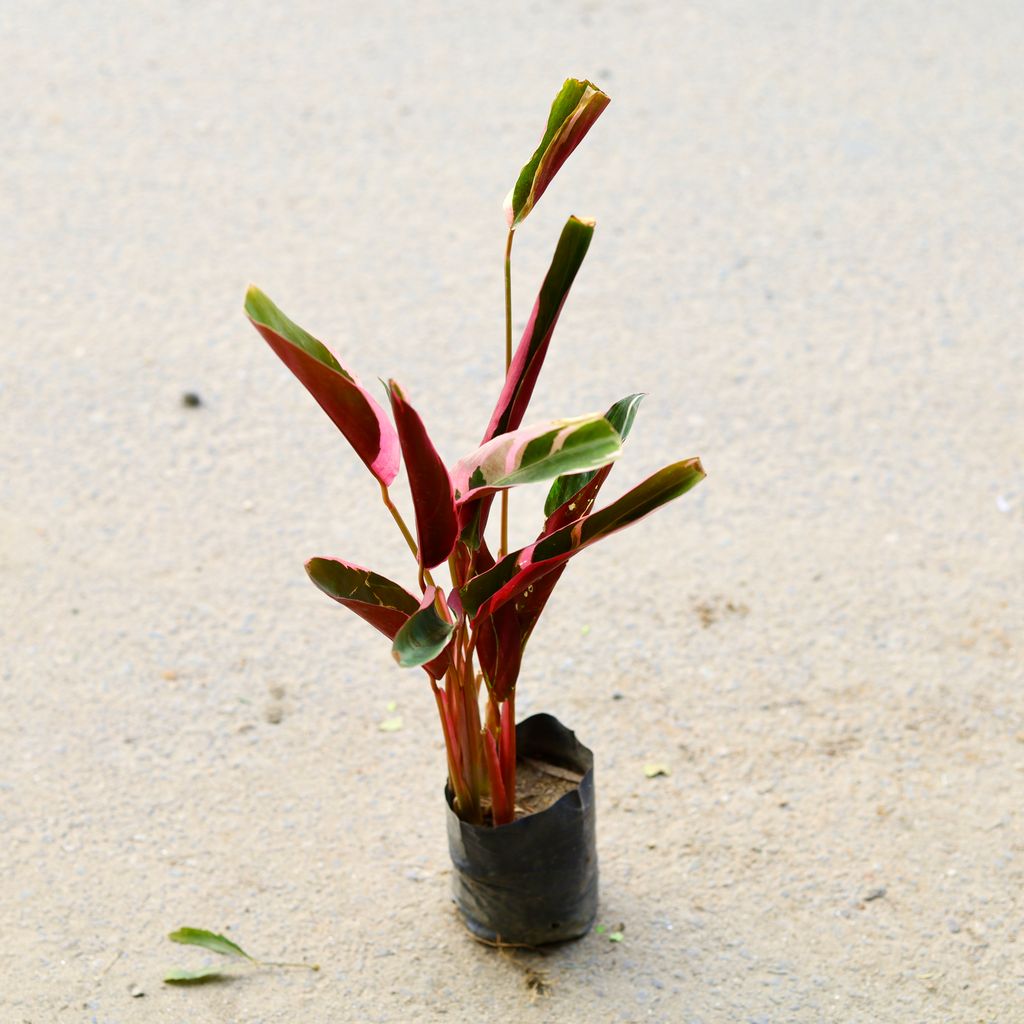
column 515, row 573
column 381, row 602
column 529, row 355
column 354, row 411
column 576, row 107
column 620, row 416
column 538, row 452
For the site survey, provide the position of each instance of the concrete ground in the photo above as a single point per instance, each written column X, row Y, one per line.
column 808, row 252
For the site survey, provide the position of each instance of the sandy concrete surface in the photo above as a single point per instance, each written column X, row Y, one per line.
column 808, row 252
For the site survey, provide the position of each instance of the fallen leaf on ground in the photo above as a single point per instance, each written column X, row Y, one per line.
column 208, row 940
column 178, row 976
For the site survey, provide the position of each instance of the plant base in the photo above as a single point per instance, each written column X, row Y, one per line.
column 533, row 881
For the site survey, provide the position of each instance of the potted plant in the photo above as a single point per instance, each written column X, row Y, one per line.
column 521, row 877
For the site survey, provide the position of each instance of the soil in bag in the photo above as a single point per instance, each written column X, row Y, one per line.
column 534, row 880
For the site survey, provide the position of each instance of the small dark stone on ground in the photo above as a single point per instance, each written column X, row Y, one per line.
column 191, row 400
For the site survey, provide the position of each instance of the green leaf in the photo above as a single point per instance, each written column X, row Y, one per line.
column 620, row 416
column 615, row 936
column 534, row 453
column 179, row 976
column 425, row 635
column 208, row 940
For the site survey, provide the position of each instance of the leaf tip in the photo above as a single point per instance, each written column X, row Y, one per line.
column 254, row 299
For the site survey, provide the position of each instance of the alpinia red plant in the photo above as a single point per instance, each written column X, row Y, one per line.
column 469, row 635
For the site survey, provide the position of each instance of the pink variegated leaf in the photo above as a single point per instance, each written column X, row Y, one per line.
column 433, row 498
column 576, row 107
column 381, row 602
column 533, row 346
column 354, row 411
column 538, row 452
column 529, row 356
column 515, row 573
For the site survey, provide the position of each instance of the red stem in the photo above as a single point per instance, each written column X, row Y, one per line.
column 500, row 809
column 451, row 748
column 508, row 747
column 471, row 707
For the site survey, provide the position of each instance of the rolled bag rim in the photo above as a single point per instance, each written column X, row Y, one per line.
column 534, row 880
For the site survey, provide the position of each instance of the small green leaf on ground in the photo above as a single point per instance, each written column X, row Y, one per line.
column 178, row 976
column 391, row 724
column 652, row 771
column 600, row 929
column 208, row 940
column 585, row 631
column 392, row 705
column 615, row 936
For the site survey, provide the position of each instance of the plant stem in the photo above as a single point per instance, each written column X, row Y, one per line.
column 508, row 748
column 476, row 769
column 508, row 298
column 451, row 743
column 503, row 550
column 397, row 516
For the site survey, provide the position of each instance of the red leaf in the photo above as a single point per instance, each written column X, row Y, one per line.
column 354, row 411
column 499, row 649
column 433, row 498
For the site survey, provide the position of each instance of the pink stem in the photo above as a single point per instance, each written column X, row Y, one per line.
column 508, row 747
column 500, row 809
column 451, row 744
